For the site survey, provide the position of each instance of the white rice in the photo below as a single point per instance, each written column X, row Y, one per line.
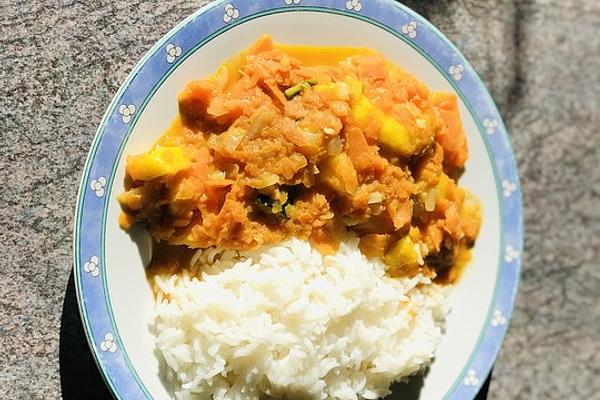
column 288, row 322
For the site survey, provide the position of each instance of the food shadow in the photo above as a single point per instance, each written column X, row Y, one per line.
column 409, row 390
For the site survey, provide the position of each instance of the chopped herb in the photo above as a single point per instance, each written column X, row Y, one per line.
column 270, row 207
column 295, row 90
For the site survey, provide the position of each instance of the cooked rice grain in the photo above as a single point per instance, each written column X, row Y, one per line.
column 288, row 322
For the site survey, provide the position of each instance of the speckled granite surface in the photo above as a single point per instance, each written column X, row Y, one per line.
column 62, row 61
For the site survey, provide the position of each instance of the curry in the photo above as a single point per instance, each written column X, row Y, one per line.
column 311, row 142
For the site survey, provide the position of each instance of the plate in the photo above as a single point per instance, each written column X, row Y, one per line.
column 114, row 297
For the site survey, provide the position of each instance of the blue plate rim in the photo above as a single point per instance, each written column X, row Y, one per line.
column 93, row 298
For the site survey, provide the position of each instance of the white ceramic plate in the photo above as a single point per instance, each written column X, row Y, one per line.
column 115, row 299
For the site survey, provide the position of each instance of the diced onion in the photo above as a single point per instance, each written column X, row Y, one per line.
column 375, row 198
column 260, row 120
column 430, row 200
column 313, row 138
column 334, row 147
column 377, row 209
column 419, row 255
column 217, row 175
column 265, row 181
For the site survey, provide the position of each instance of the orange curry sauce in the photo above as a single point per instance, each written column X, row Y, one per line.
column 310, row 142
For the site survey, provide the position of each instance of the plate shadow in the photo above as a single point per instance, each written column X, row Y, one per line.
column 80, row 378
column 411, row 390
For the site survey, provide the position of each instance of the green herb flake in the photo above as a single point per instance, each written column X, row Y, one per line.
column 295, row 90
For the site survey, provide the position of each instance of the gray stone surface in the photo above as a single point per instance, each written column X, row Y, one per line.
column 62, row 61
